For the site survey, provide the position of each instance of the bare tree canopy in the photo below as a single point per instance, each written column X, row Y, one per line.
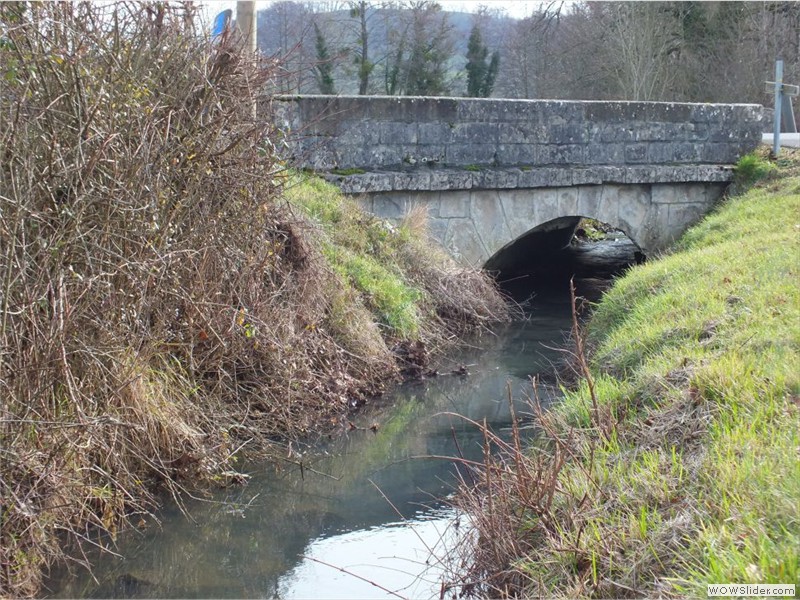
column 676, row 51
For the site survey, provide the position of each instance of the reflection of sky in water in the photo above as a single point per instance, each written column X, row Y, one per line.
column 402, row 558
column 249, row 541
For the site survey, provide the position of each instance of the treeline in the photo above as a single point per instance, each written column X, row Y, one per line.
column 671, row 51
column 391, row 48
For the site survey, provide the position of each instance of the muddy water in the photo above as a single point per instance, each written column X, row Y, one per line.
column 367, row 515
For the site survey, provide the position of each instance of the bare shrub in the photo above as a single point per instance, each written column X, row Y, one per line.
column 525, row 498
column 159, row 309
column 511, row 492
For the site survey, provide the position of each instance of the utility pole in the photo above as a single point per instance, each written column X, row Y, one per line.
column 246, row 24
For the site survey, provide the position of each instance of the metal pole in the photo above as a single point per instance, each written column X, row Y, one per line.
column 776, row 136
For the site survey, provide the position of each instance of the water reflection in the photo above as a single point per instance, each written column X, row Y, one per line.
column 250, row 542
column 396, row 558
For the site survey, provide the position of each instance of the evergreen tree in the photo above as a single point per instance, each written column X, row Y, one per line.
column 431, row 48
column 393, row 67
column 476, row 63
column 323, row 70
column 491, row 75
column 480, row 75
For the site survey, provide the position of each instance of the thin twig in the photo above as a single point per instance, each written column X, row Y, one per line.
column 351, row 574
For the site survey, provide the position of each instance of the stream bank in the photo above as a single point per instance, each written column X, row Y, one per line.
column 374, row 500
column 174, row 297
column 674, row 463
column 250, row 541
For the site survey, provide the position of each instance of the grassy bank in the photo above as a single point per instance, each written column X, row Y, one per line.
column 675, row 461
column 170, row 296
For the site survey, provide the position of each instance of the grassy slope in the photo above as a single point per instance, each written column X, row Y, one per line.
column 688, row 471
column 711, row 334
column 412, row 288
column 364, row 251
column 698, row 356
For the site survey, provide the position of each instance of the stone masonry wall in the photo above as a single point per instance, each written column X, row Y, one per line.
column 474, row 225
column 415, row 143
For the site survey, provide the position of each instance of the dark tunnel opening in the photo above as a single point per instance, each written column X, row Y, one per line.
column 546, row 258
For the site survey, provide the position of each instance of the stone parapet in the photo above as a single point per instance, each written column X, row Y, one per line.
column 490, row 172
column 413, row 140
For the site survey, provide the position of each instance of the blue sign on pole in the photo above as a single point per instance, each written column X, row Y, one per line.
column 221, row 21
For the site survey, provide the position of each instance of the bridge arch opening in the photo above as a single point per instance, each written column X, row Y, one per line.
column 550, row 254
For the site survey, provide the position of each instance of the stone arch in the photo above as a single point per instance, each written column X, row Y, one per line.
column 542, row 250
column 543, row 210
column 474, row 225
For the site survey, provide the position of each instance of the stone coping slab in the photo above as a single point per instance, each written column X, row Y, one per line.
column 525, row 177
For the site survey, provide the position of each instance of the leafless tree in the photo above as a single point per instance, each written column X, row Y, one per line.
column 286, row 33
column 526, row 53
column 643, row 47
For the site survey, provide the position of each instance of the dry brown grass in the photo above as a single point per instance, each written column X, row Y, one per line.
column 160, row 310
column 461, row 300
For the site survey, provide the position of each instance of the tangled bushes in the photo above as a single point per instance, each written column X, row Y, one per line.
column 162, row 305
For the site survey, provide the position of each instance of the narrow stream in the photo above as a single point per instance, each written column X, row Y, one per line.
column 367, row 508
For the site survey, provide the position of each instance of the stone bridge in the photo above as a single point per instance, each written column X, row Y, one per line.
column 493, row 173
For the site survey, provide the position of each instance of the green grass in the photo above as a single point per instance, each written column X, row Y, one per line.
column 365, row 251
column 412, row 288
column 751, row 168
column 696, row 367
column 348, row 172
column 393, row 301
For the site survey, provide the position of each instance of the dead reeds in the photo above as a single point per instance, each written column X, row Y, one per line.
column 520, row 505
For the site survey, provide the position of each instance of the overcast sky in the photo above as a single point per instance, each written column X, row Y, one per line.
column 514, row 8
